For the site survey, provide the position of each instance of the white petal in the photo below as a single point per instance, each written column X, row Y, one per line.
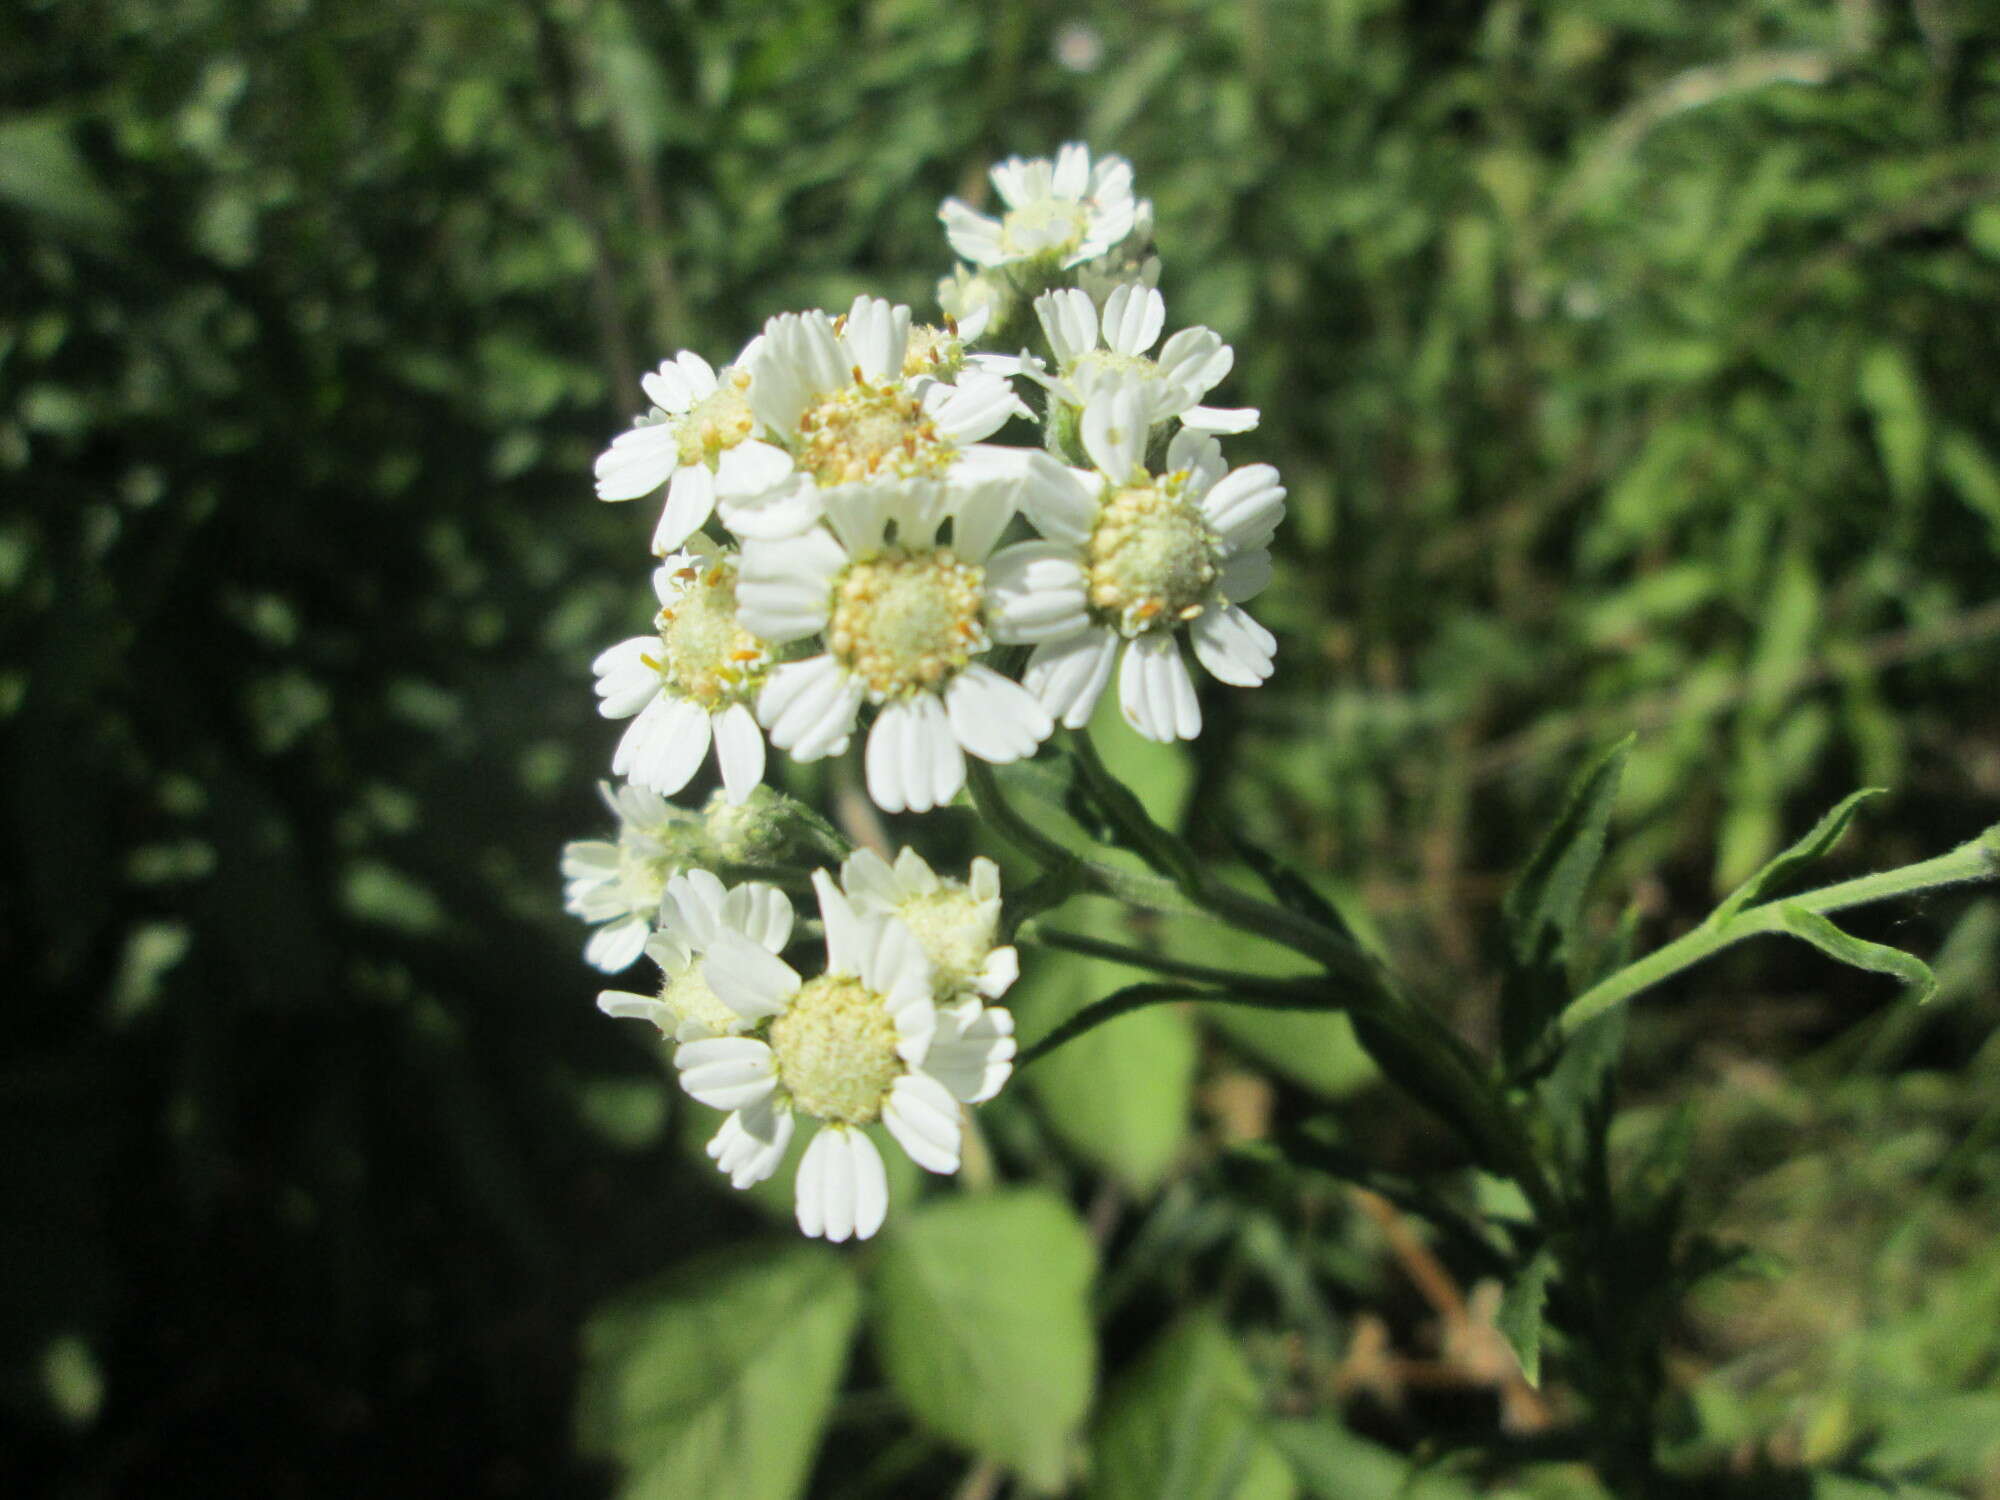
column 1061, row 501
column 1036, row 591
column 617, row 946
column 784, row 589
column 994, row 717
column 1199, row 453
column 973, row 1052
column 1196, row 360
column 977, row 406
column 784, row 510
column 1020, row 182
column 1244, row 575
column 876, row 335
column 980, row 514
column 892, row 964
column 739, row 750
column 623, row 1005
column 859, row 513
column 672, row 741
column 1155, row 691
column 869, row 882
column 726, row 1072
column 1134, row 314
column 751, row 1144
column 1114, row 430
column 690, row 501
column 913, row 759
column 668, row 388
column 973, row 236
column 1067, row 676
column 1069, row 321
column 914, row 875
column 627, row 679
column 849, row 938
column 923, row 1117
column 1234, row 647
column 1221, row 418
column 692, row 908
column 809, row 707
column 638, row 462
column 747, row 977
column 1071, row 178
column 761, row 912
column 750, row 468
column 1245, row 506
column 842, row 1190
column 998, row 973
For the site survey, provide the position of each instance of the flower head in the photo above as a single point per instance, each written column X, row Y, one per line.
column 691, row 683
column 901, row 613
column 695, row 908
column 1130, row 557
column 1057, row 214
column 699, row 439
column 846, row 1048
column 956, row 921
column 1094, row 353
column 617, row 884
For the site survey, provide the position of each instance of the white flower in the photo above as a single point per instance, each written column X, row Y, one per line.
column 858, row 400
column 846, row 1048
column 691, row 682
column 697, row 907
column 1058, row 214
column 619, row 883
column 971, row 297
column 699, row 440
column 1093, row 353
column 957, row 921
column 1131, row 557
column 902, row 618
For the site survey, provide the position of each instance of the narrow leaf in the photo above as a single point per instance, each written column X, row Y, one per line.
column 1772, row 879
column 1137, row 996
column 1877, row 958
column 1520, row 1317
column 1290, row 889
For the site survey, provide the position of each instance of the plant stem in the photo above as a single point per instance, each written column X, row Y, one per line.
column 1978, row 859
column 1160, row 963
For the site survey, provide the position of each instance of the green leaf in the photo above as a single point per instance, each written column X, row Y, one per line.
column 42, row 172
column 1520, row 1317
column 1333, row 1464
column 1894, row 396
column 1289, row 888
column 1118, row 1093
column 1541, row 910
column 716, row 1380
column 981, row 1318
column 1877, row 958
column 1184, row 1424
column 1770, row 880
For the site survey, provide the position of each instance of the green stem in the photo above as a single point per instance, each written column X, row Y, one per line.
column 1160, row 963
column 1978, row 859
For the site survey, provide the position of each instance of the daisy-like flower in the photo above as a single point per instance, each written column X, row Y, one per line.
column 1131, row 557
column 1094, row 352
column 860, row 1042
column 1058, row 214
column 691, row 682
column 902, row 617
column 859, row 400
column 700, row 440
column 956, row 921
column 617, row 884
column 695, row 908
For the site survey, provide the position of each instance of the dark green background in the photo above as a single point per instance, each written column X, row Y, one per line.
column 1630, row 364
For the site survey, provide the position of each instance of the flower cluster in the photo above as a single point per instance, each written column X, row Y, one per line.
column 848, row 547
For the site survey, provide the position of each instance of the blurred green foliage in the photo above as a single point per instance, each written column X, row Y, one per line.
column 1631, row 365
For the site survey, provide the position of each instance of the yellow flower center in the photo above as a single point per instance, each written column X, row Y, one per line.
column 932, row 350
column 720, row 420
column 1151, row 557
column 835, row 1047
column 690, row 999
column 904, row 622
column 956, row 934
column 868, row 432
column 1048, row 226
column 705, row 655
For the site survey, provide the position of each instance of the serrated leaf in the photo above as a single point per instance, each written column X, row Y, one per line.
column 1877, row 958
column 1814, row 846
column 981, row 1318
column 716, row 1380
column 1541, row 910
column 1520, row 1316
column 1120, row 1093
column 1184, row 1424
